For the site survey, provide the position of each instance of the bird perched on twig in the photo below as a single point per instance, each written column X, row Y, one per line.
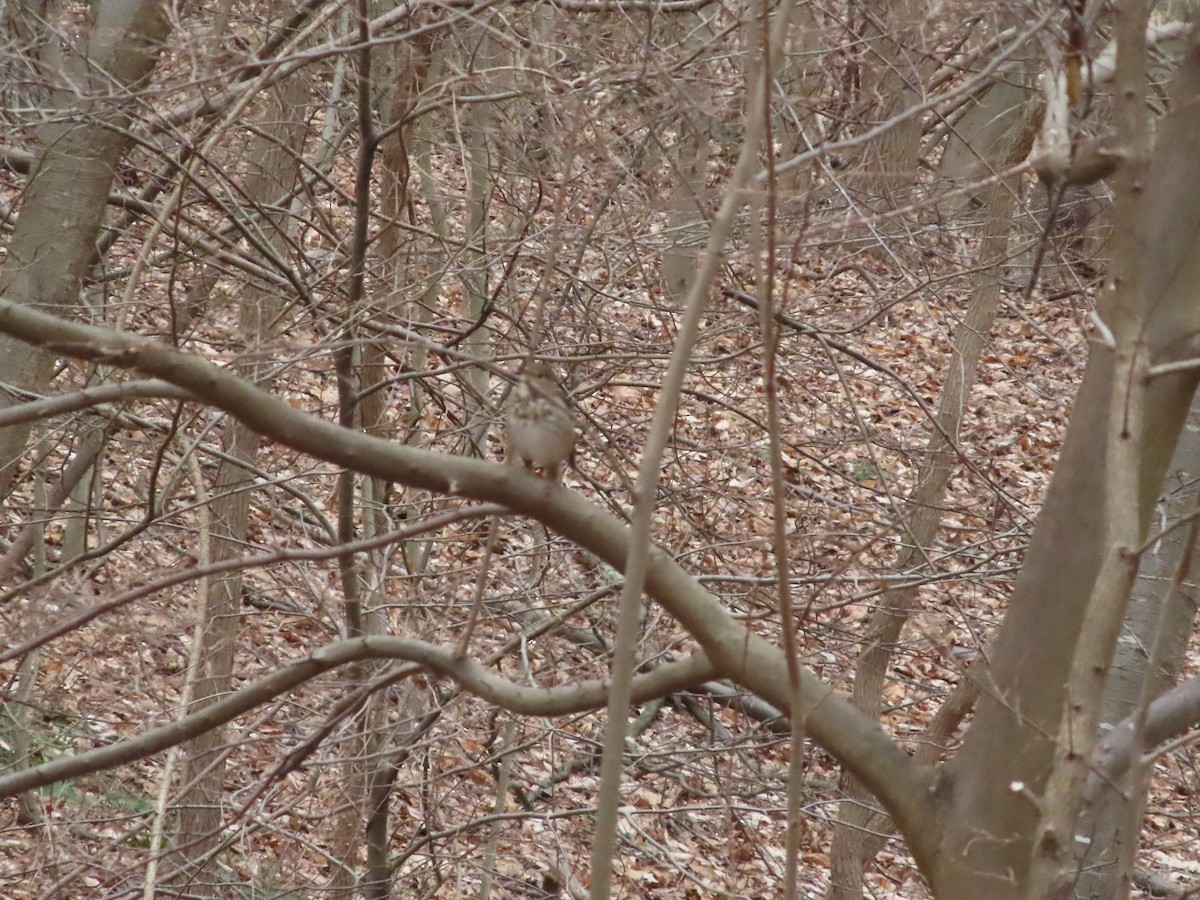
column 539, row 427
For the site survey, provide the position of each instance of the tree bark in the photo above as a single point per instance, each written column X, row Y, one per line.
column 853, row 838
column 274, row 171
column 1113, row 820
column 991, row 788
column 54, row 240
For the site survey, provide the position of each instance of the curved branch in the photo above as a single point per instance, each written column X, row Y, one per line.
column 182, row 574
column 1169, row 716
column 470, row 675
column 43, row 407
column 856, row 740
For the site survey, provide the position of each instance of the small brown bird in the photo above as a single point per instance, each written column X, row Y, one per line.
column 539, row 427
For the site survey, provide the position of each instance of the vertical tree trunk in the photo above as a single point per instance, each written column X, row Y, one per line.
column 995, row 783
column 54, row 240
column 399, row 74
column 1116, row 818
column 402, row 264
column 688, row 194
column 274, row 171
column 894, row 69
column 853, row 837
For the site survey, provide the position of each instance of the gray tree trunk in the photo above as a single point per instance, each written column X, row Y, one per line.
column 993, row 784
column 55, row 237
column 1111, row 827
column 856, row 837
column 854, row 840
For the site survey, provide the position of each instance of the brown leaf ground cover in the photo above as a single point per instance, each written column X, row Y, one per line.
column 705, row 785
column 704, row 793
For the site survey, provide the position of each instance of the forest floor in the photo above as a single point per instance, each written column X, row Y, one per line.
column 705, row 786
